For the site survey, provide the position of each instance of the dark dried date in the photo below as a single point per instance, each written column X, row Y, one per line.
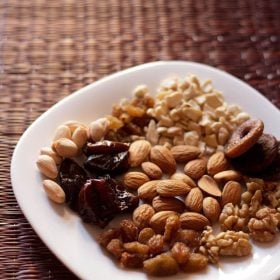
column 105, row 147
column 72, row 177
column 106, row 157
column 100, row 200
column 108, row 163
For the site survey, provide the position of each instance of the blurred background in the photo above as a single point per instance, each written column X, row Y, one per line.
column 50, row 48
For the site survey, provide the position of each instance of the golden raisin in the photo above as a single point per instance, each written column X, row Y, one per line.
column 196, row 262
column 161, row 265
column 106, row 236
column 145, row 234
column 156, row 244
column 129, row 231
column 115, row 248
column 131, row 260
column 180, row 252
column 171, row 227
column 136, row 247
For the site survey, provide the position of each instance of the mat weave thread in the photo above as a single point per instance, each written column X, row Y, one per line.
column 50, row 48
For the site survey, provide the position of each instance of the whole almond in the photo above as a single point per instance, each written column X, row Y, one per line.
column 185, row 153
column 193, row 220
column 217, row 163
column 72, row 124
column 194, row 200
column 65, row 147
column 50, row 152
column 54, row 191
column 209, row 185
column 158, row 220
column 142, row 215
column 231, row 193
column 148, row 190
column 171, row 188
column 163, row 157
column 185, row 178
column 135, row 179
column 168, row 204
column 228, row 175
column 152, row 170
column 195, row 168
column 80, row 137
column 47, row 166
column 62, row 131
column 211, row 208
column 138, row 152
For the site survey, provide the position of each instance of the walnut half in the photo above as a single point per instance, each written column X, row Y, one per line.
column 229, row 243
column 264, row 227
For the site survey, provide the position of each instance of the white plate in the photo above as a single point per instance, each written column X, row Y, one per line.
column 63, row 232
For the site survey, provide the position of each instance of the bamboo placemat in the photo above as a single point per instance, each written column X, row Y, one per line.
column 50, row 48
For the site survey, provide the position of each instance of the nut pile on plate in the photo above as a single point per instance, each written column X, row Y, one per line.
column 189, row 158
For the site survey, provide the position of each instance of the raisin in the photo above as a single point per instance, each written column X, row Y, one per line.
column 106, row 236
column 156, row 244
column 100, row 200
column 115, row 247
column 161, row 265
column 131, row 260
column 72, row 177
column 129, row 231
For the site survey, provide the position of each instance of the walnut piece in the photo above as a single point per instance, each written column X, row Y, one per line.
column 234, row 218
column 272, row 195
column 264, row 227
column 229, row 243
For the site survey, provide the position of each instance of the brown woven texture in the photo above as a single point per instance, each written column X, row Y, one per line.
column 50, row 48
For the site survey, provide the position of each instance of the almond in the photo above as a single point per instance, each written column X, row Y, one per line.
column 231, row 193
column 185, row 153
column 134, row 179
column 193, row 220
column 209, row 185
column 194, row 200
column 54, row 191
column 152, row 170
column 195, row 168
column 217, row 163
column 79, row 136
column 211, row 209
column 163, row 157
column 158, row 220
column 50, row 152
column 171, row 188
column 47, row 166
column 65, row 147
column 62, row 131
column 228, row 175
column 185, row 178
column 168, row 204
column 142, row 214
column 138, row 152
column 72, row 124
column 148, row 190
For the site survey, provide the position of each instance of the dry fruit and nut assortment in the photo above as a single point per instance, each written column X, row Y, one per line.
column 179, row 162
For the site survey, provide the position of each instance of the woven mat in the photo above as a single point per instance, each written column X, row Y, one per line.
column 50, row 48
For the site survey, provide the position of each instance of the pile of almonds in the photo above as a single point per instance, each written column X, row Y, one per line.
column 180, row 172
column 206, row 185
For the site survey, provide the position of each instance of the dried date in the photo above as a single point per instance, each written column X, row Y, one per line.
column 100, row 200
column 72, row 177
